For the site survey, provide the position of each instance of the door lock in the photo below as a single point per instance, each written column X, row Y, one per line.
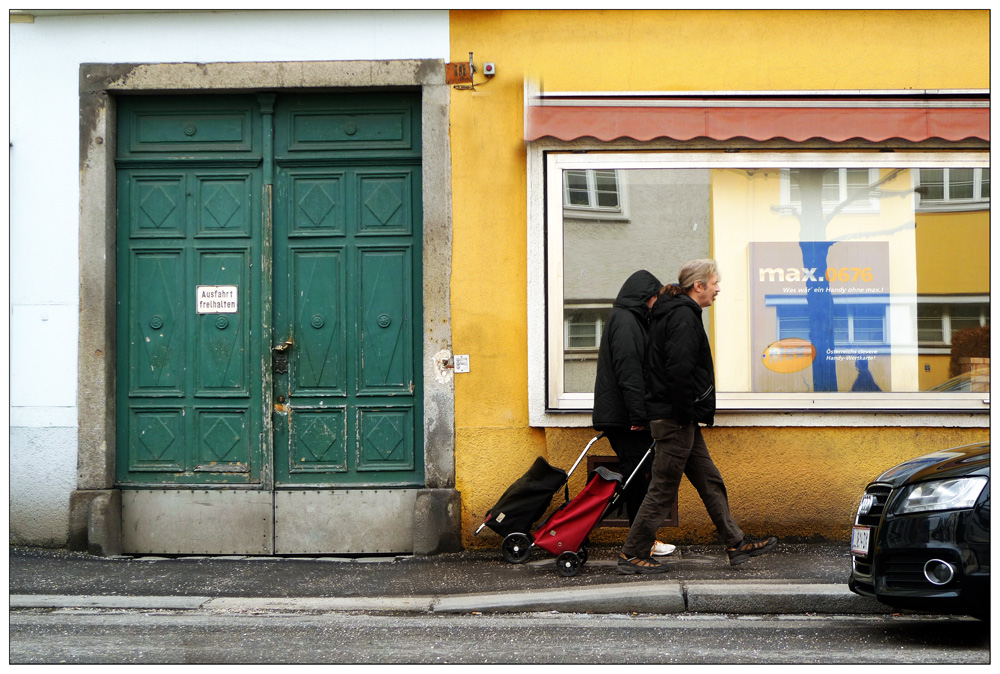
column 279, row 357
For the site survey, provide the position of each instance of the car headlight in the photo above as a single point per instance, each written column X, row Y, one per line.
column 954, row 494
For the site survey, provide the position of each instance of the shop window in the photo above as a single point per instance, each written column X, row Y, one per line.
column 835, row 293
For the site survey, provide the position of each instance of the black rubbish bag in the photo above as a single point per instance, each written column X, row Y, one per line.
column 526, row 500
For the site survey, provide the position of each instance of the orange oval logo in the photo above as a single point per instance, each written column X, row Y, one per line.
column 789, row 355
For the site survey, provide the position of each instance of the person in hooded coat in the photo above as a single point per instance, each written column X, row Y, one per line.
column 620, row 390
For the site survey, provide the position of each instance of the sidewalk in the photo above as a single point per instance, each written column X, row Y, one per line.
column 796, row 578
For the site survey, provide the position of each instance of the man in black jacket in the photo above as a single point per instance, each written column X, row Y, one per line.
column 620, row 391
column 680, row 395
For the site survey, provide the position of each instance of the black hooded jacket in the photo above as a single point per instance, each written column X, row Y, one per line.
column 619, row 391
column 680, row 375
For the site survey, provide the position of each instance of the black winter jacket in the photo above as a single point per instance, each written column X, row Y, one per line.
column 619, row 391
column 680, row 375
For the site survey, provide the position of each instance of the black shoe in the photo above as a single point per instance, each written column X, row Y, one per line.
column 631, row 565
column 750, row 548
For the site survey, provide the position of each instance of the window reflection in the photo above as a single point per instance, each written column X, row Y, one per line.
column 835, row 279
column 662, row 221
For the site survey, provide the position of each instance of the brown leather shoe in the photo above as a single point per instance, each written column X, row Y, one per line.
column 630, row 565
column 750, row 548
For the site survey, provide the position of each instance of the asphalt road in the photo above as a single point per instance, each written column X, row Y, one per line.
column 109, row 636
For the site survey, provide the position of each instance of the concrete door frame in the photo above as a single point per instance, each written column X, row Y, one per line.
column 95, row 505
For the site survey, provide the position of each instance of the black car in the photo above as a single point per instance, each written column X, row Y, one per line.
column 921, row 538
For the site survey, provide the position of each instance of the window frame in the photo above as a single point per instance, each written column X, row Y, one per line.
column 948, row 203
column 867, row 206
column 599, row 328
column 595, row 212
column 943, row 346
column 549, row 405
column 849, row 310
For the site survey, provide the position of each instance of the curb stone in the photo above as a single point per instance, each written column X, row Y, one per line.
column 643, row 597
column 782, row 598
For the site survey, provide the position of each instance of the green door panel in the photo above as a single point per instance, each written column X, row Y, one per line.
column 157, row 440
column 222, row 340
column 318, row 364
column 317, row 444
column 347, row 291
column 385, row 439
column 385, row 353
column 157, row 323
column 158, row 205
column 315, row 203
column 386, row 202
column 189, row 214
column 173, row 126
column 348, row 127
column 313, row 303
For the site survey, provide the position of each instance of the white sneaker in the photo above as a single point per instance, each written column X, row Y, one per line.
column 661, row 549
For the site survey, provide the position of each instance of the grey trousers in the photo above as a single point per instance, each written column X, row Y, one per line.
column 680, row 450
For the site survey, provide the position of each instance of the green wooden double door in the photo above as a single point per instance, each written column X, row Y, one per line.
column 269, row 292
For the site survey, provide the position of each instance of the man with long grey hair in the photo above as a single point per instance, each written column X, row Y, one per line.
column 680, row 395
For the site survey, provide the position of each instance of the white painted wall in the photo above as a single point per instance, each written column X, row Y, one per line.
column 45, row 58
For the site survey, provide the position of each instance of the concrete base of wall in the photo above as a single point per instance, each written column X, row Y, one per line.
column 437, row 522
column 95, row 521
column 95, row 524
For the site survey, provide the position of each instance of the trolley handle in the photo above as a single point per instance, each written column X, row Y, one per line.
column 583, row 454
column 578, row 460
column 639, row 465
column 618, row 492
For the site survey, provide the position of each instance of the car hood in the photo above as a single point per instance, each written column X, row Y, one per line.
column 955, row 462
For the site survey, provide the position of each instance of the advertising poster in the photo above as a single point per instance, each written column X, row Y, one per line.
column 820, row 316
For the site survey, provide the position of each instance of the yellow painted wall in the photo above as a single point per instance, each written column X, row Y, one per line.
column 952, row 248
column 803, row 482
column 791, row 481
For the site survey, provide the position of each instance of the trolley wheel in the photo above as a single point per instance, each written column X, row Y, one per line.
column 568, row 564
column 515, row 548
column 583, row 554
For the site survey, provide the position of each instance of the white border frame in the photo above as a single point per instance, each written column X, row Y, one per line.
column 545, row 161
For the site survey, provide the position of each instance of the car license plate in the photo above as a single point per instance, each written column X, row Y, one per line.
column 860, row 539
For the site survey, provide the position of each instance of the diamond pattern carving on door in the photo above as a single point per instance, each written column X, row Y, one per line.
column 318, row 441
column 385, row 439
column 384, row 201
column 160, row 204
column 385, row 356
column 224, row 445
column 318, row 201
column 158, row 444
column 158, row 358
column 318, row 359
column 223, row 205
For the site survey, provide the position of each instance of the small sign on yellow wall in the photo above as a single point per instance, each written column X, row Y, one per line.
column 457, row 73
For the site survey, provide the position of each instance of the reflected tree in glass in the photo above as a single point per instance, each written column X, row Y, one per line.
column 815, row 245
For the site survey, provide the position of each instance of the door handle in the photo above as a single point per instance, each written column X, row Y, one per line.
column 279, row 357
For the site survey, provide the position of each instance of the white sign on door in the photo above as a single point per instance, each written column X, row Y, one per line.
column 217, row 299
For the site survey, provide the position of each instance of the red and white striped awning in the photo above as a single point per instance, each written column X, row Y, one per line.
column 796, row 116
